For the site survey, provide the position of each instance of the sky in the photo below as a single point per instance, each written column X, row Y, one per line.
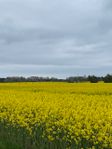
column 57, row 38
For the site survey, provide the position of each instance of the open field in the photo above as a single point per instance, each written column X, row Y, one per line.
column 55, row 116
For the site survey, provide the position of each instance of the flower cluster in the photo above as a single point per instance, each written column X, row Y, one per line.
column 67, row 115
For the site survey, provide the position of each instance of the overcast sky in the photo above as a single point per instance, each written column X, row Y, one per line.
column 55, row 37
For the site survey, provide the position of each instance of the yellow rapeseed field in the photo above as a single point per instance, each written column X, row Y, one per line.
column 56, row 115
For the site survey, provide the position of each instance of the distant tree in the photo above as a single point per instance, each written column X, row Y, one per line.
column 15, row 79
column 76, row 79
column 70, row 79
column 2, row 79
column 52, row 79
column 93, row 79
column 107, row 78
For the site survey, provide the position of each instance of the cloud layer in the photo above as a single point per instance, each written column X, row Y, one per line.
column 55, row 38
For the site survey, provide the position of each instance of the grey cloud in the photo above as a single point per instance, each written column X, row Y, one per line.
column 71, row 36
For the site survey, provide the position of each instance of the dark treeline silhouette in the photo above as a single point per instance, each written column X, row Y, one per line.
column 91, row 78
column 73, row 79
column 31, row 79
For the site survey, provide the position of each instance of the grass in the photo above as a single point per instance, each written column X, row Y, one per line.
column 5, row 144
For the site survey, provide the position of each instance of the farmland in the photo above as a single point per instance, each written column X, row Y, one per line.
column 55, row 116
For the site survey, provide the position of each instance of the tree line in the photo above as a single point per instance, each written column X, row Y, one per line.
column 72, row 79
column 91, row 78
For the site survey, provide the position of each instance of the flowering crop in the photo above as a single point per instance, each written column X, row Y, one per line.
column 57, row 115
